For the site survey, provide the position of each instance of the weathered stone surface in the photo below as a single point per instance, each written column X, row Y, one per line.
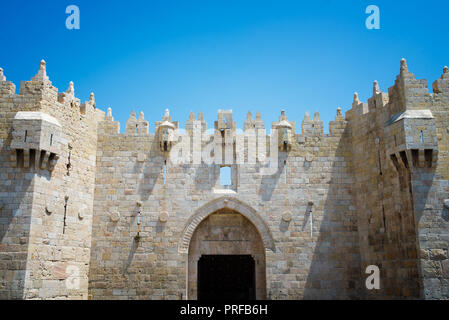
column 438, row 254
column 75, row 192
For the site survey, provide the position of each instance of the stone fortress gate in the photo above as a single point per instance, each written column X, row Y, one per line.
column 90, row 212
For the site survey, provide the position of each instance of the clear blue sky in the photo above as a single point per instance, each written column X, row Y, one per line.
column 205, row 55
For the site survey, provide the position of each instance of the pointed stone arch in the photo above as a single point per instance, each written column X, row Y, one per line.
column 222, row 203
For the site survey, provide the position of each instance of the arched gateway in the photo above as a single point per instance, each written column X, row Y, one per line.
column 226, row 242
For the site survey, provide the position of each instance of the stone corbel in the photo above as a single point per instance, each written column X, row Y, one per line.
column 45, row 157
column 13, row 158
column 53, row 162
column 26, row 158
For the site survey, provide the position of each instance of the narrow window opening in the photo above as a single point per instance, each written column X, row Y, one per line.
column 26, row 135
column 51, row 139
column 65, row 217
column 69, row 164
column 395, row 141
column 19, row 158
column 33, row 158
column 428, row 153
column 165, row 171
column 285, row 171
column 41, row 158
column 415, row 157
column 421, row 136
column 50, row 160
column 380, row 163
column 404, row 158
column 311, row 223
column 225, row 176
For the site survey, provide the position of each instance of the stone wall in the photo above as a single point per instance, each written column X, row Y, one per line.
column 314, row 176
column 47, row 185
column 89, row 212
column 400, row 161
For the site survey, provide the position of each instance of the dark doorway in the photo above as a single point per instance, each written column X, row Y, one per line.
column 226, row 277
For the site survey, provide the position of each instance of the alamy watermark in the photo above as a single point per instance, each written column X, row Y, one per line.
column 73, row 20
column 373, row 20
column 224, row 149
column 73, row 277
column 373, row 280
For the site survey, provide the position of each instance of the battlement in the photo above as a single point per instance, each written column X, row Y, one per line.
column 39, row 95
column 407, row 93
column 403, row 120
column 140, row 126
column 381, row 110
column 396, row 100
column 80, row 195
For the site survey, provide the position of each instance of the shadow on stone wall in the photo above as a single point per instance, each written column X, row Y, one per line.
column 270, row 182
column 335, row 271
column 152, row 172
column 16, row 201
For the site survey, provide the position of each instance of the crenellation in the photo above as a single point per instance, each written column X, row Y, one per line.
column 378, row 100
column 143, row 126
column 7, row 88
column 108, row 126
column 317, row 125
column 133, row 213
column 259, row 124
column 131, row 124
column 307, row 125
column 41, row 75
column 92, row 100
column 441, row 86
column 89, row 107
column 338, row 126
column 202, row 121
column 190, row 123
column 68, row 97
column 249, row 122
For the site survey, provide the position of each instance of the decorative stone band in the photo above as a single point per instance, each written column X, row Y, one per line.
column 229, row 203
